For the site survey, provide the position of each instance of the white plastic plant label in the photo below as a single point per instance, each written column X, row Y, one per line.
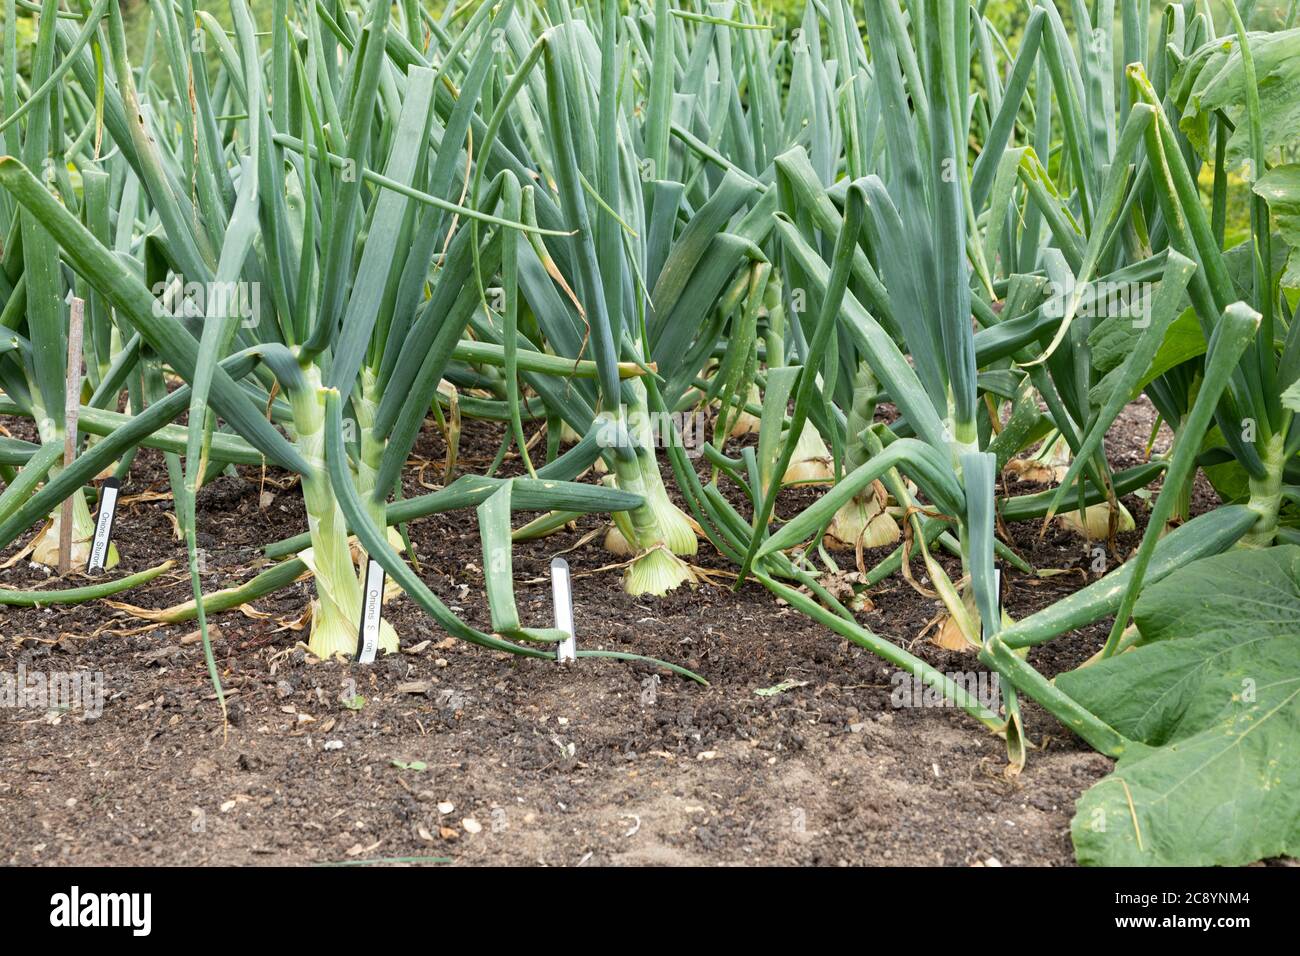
column 372, row 612
column 562, row 595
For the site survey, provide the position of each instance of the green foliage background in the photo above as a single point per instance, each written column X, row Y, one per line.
column 784, row 14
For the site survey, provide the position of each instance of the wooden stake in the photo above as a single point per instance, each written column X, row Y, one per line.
column 71, row 405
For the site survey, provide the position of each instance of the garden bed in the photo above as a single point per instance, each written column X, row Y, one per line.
column 600, row 763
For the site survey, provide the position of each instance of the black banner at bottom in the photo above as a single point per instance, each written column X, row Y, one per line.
column 140, row 906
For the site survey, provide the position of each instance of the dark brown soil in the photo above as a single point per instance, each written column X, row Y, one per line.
column 477, row 757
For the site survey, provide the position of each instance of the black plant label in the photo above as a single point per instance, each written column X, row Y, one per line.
column 108, row 493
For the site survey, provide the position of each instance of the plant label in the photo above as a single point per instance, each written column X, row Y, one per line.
column 372, row 612
column 108, row 493
column 562, row 595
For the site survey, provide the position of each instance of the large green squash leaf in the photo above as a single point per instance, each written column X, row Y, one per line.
column 1211, row 702
column 1291, row 397
column 1239, row 260
column 1242, row 594
column 1230, row 481
column 1280, row 188
column 1220, row 84
column 1114, row 339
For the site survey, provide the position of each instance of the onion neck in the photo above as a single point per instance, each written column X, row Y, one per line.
column 336, row 616
column 1266, row 495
